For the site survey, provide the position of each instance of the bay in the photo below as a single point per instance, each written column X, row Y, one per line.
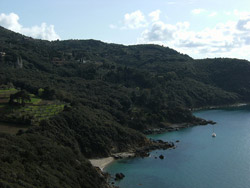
column 199, row 161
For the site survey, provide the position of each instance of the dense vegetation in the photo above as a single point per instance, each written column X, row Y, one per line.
column 114, row 92
column 35, row 161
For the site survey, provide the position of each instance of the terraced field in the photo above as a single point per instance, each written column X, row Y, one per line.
column 5, row 94
column 32, row 113
column 40, row 112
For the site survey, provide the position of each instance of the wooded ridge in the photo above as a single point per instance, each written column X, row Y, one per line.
column 113, row 94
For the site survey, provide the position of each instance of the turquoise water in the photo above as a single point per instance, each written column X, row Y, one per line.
column 199, row 161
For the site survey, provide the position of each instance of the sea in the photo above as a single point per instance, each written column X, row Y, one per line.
column 199, row 160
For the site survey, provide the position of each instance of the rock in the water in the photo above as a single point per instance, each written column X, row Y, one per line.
column 171, row 144
column 161, row 157
column 177, row 141
column 160, row 141
column 119, row 176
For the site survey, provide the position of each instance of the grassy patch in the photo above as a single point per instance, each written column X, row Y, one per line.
column 12, row 90
column 33, row 111
column 35, row 100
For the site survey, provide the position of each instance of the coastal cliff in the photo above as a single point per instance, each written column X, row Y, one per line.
column 111, row 95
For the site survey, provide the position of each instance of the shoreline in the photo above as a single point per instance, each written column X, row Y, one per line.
column 178, row 126
column 105, row 161
column 219, row 106
column 143, row 151
column 101, row 162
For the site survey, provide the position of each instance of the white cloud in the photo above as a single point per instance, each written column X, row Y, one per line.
column 228, row 13
column 247, row 25
column 42, row 32
column 163, row 32
column 213, row 14
column 11, row 22
column 134, row 20
column 241, row 14
column 225, row 39
column 155, row 15
column 230, row 39
column 159, row 32
column 198, row 11
column 243, row 24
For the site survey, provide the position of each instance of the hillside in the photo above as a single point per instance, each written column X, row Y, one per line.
column 114, row 92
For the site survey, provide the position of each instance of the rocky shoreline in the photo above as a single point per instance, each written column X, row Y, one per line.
column 152, row 145
column 142, row 152
column 177, row 127
column 138, row 152
column 198, row 121
column 219, row 106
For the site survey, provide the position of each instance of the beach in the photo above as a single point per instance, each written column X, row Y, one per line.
column 101, row 162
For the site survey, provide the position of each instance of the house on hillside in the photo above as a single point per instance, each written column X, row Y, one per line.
column 58, row 61
column 2, row 54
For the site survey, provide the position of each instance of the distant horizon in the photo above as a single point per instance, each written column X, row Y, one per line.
column 200, row 29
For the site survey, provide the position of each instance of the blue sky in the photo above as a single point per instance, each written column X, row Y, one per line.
column 200, row 29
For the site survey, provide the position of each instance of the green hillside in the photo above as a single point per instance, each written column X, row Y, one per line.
column 31, row 113
column 114, row 92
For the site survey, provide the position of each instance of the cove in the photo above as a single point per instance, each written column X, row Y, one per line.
column 199, row 161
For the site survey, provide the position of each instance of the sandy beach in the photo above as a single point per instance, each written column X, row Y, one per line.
column 102, row 162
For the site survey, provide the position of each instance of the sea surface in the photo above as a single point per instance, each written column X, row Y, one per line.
column 199, row 161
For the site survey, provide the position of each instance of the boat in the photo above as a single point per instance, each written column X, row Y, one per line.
column 213, row 135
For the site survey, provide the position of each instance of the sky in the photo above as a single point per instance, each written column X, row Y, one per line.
column 199, row 28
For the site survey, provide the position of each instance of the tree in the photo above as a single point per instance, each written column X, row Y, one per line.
column 48, row 93
column 40, row 92
column 19, row 98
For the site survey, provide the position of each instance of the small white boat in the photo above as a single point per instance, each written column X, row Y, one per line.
column 213, row 135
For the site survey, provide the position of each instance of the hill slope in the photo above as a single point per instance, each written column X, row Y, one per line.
column 114, row 91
